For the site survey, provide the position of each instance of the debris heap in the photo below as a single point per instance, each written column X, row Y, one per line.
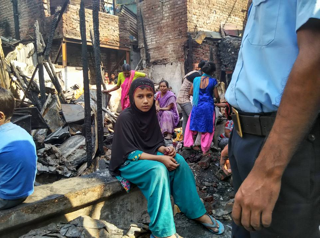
column 57, row 125
column 228, row 51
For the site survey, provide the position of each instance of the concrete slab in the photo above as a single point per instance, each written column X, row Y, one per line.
column 97, row 195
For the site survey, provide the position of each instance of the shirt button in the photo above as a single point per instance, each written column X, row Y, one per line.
column 311, row 138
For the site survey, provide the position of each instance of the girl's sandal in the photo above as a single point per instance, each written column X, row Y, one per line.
column 214, row 225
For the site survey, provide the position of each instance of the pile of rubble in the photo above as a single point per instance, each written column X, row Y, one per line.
column 213, row 187
column 57, row 124
column 85, row 226
column 228, row 51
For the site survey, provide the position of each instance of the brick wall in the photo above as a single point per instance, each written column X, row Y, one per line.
column 6, row 19
column 167, row 24
column 165, row 29
column 209, row 14
column 114, row 31
column 208, row 50
column 29, row 11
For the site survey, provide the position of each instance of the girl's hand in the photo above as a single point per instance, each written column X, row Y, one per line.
column 170, row 163
column 170, row 151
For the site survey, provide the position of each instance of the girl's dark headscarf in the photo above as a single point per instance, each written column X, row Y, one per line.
column 135, row 130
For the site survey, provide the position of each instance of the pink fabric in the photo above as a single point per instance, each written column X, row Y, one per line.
column 125, row 89
column 206, row 138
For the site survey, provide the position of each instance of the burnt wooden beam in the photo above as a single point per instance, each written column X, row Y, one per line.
column 84, row 58
column 54, row 24
column 39, row 50
column 56, row 83
column 31, row 94
column 16, row 19
column 58, row 54
column 29, row 85
column 54, row 79
column 96, row 47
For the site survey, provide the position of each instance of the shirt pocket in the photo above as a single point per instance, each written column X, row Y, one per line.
column 264, row 21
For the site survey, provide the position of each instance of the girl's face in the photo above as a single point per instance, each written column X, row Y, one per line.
column 163, row 88
column 144, row 99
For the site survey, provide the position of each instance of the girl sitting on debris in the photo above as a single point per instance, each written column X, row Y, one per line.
column 140, row 157
column 166, row 108
column 202, row 117
column 125, row 79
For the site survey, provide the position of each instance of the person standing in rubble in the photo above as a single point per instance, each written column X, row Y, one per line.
column 18, row 158
column 125, row 79
column 140, row 157
column 202, row 117
column 274, row 148
column 183, row 99
column 166, row 108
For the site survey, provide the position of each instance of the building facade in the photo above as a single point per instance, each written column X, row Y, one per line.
column 175, row 35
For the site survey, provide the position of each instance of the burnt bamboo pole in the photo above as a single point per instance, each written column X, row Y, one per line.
column 84, row 58
column 96, row 48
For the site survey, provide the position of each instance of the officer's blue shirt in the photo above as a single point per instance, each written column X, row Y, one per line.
column 18, row 162
column 268, row 51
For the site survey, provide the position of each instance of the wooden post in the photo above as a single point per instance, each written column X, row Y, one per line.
column 16, row 19
column 64, row 61
column 96, row 46
column 64, row 53
column 114, row 6
column 127, row 57
column 84, row 58
column 39, row 50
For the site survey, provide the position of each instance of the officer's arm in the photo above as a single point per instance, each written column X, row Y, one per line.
column 256, row 198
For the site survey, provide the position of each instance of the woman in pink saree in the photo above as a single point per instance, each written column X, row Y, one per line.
column 166, row 108
column 125, row 79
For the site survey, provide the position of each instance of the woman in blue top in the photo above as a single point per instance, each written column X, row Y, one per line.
column 140, row 157
column 202, row 117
